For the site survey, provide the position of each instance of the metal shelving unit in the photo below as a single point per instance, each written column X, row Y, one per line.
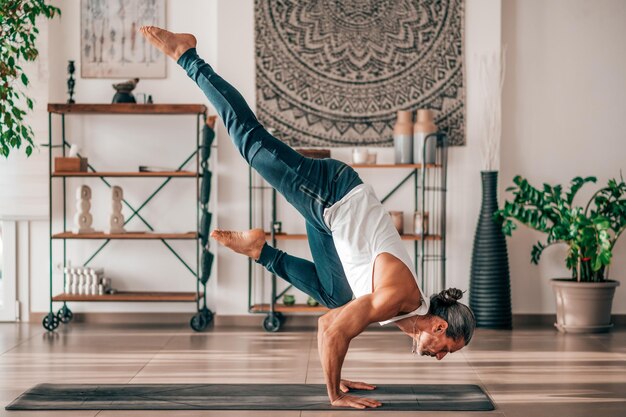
column 429, row 183
column 202, row 176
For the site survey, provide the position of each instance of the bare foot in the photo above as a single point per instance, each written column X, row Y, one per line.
column 247, row 243
column 171, row 44
column 210, row 121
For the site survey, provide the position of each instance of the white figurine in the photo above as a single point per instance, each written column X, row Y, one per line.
column 83, row 219
column 116, row 221
column 67, row 285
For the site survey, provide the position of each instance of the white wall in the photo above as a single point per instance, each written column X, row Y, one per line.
column 225, row 32
column 564, row 108
column 226, row 38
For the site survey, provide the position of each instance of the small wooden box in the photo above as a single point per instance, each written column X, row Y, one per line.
column 70, row 164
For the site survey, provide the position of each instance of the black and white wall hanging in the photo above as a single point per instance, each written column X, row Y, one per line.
column 335, row 72
column 110, row 44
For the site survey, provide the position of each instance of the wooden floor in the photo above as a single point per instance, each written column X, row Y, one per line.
column 529, row 372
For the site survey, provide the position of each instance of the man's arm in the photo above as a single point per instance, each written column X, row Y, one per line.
column 348, row 322
column 322, row 324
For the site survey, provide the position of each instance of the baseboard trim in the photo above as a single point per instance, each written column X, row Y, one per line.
column 548, row 320
column 121, row 318
column 256, row 320
column 248, row 320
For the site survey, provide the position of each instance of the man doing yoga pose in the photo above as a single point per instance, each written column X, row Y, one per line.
column 357, row 251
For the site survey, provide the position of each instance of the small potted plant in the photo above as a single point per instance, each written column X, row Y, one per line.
column 583, row 301
column 289, row 300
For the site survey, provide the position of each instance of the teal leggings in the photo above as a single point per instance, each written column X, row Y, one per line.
column 310, row 185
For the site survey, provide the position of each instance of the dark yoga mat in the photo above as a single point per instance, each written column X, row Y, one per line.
column 241, row 397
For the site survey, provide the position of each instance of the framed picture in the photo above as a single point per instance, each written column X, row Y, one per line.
column 110, row 44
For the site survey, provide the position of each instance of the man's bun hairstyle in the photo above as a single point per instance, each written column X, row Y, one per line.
column 450, row 296
column 460, row 319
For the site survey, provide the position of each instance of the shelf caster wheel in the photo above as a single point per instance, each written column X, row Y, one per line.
column 199, row 322
column 281, row 317
column 272, row 323
column 50, row 322
column 65, row 315
column 208, row 315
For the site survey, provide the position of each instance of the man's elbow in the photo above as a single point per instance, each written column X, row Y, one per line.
column 322, row 324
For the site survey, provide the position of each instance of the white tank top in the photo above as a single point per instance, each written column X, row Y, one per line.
column 362, row 229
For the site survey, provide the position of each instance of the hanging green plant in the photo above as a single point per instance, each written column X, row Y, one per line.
column 17, row 43
column 590, row 233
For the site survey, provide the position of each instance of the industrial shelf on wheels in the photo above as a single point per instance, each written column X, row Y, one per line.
column 202, row 175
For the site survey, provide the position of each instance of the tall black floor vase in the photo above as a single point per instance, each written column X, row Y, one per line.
column 490, row 283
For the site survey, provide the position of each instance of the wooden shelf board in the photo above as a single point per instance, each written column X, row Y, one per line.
column 281, row 308
column 418, row 166
column 287, row 236
column 419, row 237
column 130, row 296
column 126, row 174
column 129, row 235
column 126, row 108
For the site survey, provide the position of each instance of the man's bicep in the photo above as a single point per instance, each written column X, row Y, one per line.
column 386, row 303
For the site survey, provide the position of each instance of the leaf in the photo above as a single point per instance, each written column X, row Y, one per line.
column 601, row 223
column 577, row 183
column 24, row 79
column 600, row 199
column 597, row 264
column 605, row 257
column 29, row 150
column 17, row 113
column 508, row 227
column 535, row 254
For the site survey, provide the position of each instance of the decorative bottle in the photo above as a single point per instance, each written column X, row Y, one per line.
column 423, row 127
column 403, row 137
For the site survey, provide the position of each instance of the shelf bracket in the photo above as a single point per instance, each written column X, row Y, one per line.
column 400, row 184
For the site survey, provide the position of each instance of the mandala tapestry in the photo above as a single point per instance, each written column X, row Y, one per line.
column 335, row 72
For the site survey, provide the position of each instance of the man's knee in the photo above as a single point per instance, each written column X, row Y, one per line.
column 334, row 302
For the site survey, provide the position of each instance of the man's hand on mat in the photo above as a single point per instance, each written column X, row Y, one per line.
column 345, row 400
column 346, row 385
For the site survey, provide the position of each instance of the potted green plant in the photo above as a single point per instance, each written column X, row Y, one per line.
column 583, row 301
column 17, row 43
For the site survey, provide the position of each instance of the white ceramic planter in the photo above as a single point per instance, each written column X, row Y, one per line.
column 583, row 307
